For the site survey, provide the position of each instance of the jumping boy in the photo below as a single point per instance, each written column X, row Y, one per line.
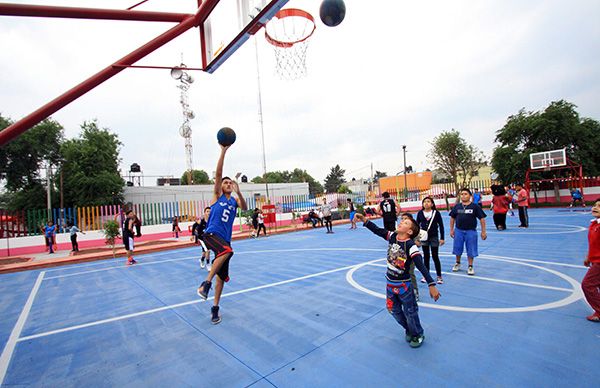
column 591, row 280
column 465, row 215
column 217, row 236
column 400, row 299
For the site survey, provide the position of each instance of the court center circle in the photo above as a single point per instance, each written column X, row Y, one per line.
column 575, row 295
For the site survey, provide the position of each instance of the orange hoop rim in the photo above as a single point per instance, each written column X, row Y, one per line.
column 290, row 12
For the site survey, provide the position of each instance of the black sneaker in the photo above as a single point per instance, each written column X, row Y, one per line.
column 216, row 318
column 417, row 341
column 204, row 289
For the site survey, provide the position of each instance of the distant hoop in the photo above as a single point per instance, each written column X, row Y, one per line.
column 288, row 32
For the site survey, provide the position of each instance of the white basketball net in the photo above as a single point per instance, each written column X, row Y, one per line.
column 288, row 32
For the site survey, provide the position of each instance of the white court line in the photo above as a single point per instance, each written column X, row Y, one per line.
column 173, row 306
column 484, row 256
column 531, row 261
column 122, row 266
column 109, row 261
column 496, row 280
column 9, row 348
column 198, row 256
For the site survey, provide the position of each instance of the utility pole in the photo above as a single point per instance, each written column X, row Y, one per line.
column 371, row 177
column 260, row 120
column 48, row 191
column 405, row 181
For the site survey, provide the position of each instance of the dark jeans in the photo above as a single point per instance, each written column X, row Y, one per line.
column 50, row 243
column 328, row 223
column 500, row 221
column 523, row 217
column 74, row 243
column 436, row 258
column 401, row 303
column 264, row 229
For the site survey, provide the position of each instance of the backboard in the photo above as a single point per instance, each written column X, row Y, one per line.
column 548, row 159
column 230, row 24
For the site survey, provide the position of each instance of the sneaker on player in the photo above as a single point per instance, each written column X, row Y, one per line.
column 417, row 341
column 470, row 271
column 202, row 265
column 216, row 318
column 595, row 317
column 440, row 280
column 456, row 267
column 131, row 262
column 204, row 289
column 423, row 280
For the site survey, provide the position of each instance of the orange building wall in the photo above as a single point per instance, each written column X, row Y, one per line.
column 421, row 180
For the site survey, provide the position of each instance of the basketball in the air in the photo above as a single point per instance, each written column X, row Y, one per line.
column 332, row 12
column 226, row 136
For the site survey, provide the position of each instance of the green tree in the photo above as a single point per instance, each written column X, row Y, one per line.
column 23, row 159
column 199, row 177
column 91, row 167
column 335, row 179
column 111, row 233
column 343, row 189
column 295, row 176
column 455, row 157
column 558, row 126
column 379, row 174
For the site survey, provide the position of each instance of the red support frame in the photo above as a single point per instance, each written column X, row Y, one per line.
column 577, row 169
column 185, row 22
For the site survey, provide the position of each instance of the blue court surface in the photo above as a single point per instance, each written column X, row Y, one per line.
column 308, row 309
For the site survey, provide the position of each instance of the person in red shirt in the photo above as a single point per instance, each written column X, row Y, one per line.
column 523, row 203
column 500, row 204
column 591, row 280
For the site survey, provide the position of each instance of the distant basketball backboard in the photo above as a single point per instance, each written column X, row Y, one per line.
column 548, row 159
column 230, row 24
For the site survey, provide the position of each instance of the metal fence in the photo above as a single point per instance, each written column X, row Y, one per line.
column 30, row 222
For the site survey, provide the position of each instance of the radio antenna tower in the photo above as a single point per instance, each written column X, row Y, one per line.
column 185, row 130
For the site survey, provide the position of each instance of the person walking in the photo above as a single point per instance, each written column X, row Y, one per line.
column 523, row 203
column 388, row 211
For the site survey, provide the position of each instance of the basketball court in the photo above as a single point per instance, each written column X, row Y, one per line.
column 307, row 309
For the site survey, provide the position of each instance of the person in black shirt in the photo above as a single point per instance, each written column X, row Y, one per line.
column 254, row 218
column 465, row 215
column 400, row 298
column 128, row 235
column 389, row 212
column 197, row 231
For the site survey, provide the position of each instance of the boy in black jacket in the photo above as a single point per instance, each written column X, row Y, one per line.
column 402, row 251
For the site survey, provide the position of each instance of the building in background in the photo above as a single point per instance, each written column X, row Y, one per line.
column 157, row 194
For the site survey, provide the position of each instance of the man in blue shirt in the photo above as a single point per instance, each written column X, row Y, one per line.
column 217, row 235
column 465, row 215
column 477, row 198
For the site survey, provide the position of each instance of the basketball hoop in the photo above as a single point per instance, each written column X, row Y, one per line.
column 288, row 32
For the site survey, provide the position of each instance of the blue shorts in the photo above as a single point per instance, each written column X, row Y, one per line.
column 462, row 238
column 352, row 215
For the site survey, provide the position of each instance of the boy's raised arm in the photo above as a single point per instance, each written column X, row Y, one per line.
column 219, row 174
column 383, row 233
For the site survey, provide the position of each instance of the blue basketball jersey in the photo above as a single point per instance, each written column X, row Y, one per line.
column 222, row 215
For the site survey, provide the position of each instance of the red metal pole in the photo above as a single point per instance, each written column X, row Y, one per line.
column 89, row 13
column 32, row 119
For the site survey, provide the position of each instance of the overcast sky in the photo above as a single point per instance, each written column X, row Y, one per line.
column 394, row 72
